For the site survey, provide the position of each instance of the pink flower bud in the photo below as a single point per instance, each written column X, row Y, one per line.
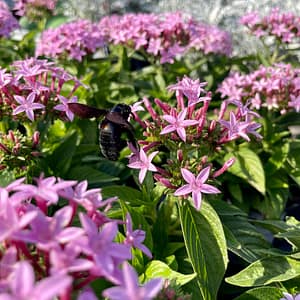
column 225, row 167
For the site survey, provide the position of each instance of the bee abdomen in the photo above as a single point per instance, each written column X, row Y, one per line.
column 110, row 141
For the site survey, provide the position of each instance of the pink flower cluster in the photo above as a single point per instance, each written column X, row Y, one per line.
column 27, row 7
column 7, row 21
column 33, row 87
column 71, row 40
column 283, row 26
column 190, row 138
column 276, row 88
column 44, row 255
column 165, row 35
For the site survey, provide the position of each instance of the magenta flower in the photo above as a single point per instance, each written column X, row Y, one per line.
column 87, row 294
column 28, row 105
column 196, row 186
column 100, row 245
column 46, row 191
column 142, row 162
column 10, row 222
column 67, row 259
column 23, row 286
column 136, row 237
column 295, row 103
column 7, row 21
column 48, row 233
column 9, row 258
column 5, row 78
column 130, row 288
column 64, row 106
column 178, row 123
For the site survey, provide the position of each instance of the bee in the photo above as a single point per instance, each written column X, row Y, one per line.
column 111, row 129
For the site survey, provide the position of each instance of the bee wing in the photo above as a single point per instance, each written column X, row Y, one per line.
column 85, row 111
column 116, row 118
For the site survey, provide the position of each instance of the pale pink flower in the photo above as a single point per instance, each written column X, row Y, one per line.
column 27, row 105
column 196, row 186
column 143, row 162
column 178, row 124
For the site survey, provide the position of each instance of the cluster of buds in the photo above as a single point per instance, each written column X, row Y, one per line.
column 18, row 152
column 35, row 10
column 33, row 88
column 8, row 23
column 187, row 140
column 276, row 88
column 50, row 255
column 282, row 26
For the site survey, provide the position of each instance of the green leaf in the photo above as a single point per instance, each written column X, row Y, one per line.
column 55, row 21
column 6, row 177
column 60, row 159
column 124, row 193
column 278, row 158
column 243, row 239
column 261, row 293
column 248, row 166
column 292, row 165
column 158, row 268
column 266, row 271
column 293, row 236
column 93, row 176
column 206, row 247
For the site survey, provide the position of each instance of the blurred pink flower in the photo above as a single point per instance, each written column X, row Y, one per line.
column 135, row 238
column 130, row 288
column 22, row 284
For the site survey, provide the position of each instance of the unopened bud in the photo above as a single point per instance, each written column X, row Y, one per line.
column 225, row 167
column 212, row 126
column 180, row 155
column 36, row 138
column 11, row 136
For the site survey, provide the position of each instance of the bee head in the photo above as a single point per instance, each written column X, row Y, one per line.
column 123, row 109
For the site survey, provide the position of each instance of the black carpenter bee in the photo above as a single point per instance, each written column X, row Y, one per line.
column 111, row 128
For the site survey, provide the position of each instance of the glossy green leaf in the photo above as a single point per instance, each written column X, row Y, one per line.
column 125, row 193
column 206, row 246
column 266, row 271
column 60, row 159
column 93, row 176
column 261, row 293
column 248, row 166
column 158, row 268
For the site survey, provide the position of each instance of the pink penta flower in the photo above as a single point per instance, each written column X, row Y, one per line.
column 295, row 103
column 143, row 162
column 23, row 285
column 28, row 105
column 136, row 237
column 178, row 124
column 64, row 106
column 190, row 88
column 196, row 186
column 130, row 288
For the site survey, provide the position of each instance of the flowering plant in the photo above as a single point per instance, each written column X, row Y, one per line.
column 199, row 204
